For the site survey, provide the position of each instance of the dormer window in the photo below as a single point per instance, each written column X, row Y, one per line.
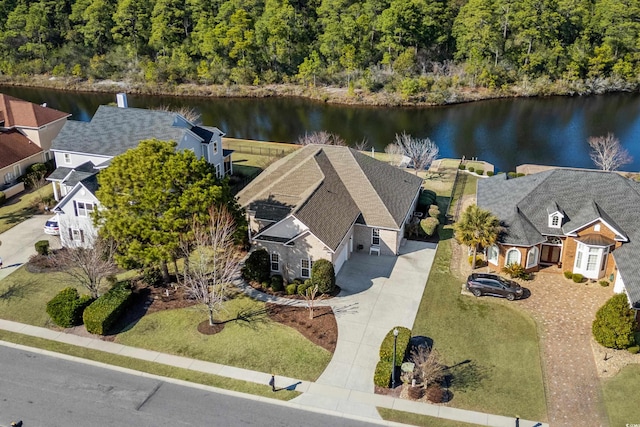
column 555, row 220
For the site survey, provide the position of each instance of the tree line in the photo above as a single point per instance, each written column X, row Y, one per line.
column 399, row 45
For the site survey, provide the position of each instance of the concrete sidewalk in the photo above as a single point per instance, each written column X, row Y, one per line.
column 345, row 395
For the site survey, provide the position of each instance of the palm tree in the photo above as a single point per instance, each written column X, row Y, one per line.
column 477, row 228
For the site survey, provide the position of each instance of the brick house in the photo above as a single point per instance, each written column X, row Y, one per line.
column 582, row 221
column 325, row 201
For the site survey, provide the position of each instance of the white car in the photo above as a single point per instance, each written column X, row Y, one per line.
column 51, row 226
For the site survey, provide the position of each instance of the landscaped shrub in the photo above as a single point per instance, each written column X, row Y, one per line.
column 511, row 175
column 480, row 171
column 490, row 173
column 603, row 283
column 515, row 271
column 277, row 283
column 152, row 276
column 479, row 260
column 323, row 275
column 519, row 174
column 105, row 311
column 65, row 309
column 429, row 225
column 3, row 198
column 291, row 288
column 634, row 349
column 382, row 375
column 434, row 211
column 461, row 166
column 42, row 247
column 568, row 275
column 386, row 348
column 302, row 288
column 258, row 266
column 577, row 278
column 435, row 394
column 426, row 198
column 265, row 285
column 614, row 324
column 471, row 169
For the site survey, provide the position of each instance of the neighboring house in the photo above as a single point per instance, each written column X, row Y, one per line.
column 26, row 133
column 325, row 201
column 82, row 149
column 581, row 221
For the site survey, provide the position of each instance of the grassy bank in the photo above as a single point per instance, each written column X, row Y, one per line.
column 149, row 367
column 618, row 393
column 492, row 346
column 22, row 206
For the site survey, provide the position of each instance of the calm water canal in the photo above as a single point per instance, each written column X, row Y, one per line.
column 505, row 132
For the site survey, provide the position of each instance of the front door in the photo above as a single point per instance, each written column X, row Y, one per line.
column 550, row 254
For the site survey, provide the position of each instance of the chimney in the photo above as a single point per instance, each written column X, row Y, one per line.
column 121, row 99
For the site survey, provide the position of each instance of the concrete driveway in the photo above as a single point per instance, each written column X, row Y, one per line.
column 378, row 293
column 18, row 243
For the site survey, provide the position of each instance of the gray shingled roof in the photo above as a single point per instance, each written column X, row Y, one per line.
column 114, row 130
column 583, row 196
column 328, row 188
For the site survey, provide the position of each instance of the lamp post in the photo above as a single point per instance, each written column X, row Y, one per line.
column 393, row 367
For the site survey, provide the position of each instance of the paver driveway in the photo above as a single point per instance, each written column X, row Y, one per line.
column 565, row 311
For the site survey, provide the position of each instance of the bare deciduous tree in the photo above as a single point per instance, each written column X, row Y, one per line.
column 362, row 145
column 311, row 297
column 607, row 153
column 322, row 137
column 421, row 152
column 428, row 368
column 89, row 264
column 395, row 154
column 188, row 113
column 214, row 260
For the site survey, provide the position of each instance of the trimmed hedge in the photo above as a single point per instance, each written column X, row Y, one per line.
column 277, row 284
column 603, row 283
column 66, row 308
column 578, row 278
column 382, row 374
column 429, row 225
column 105, row 311
column 462, row 167
column 434, row 211
column 427, row 198
column 291, row 288
column 480, row 171
column 490, row 173
column 258, row 266
column 323, row 275
column 471, row 169
column 42, row 247
column 386, row 348
column 568, row 275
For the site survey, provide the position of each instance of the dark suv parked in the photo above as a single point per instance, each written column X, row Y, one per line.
column 492, row 284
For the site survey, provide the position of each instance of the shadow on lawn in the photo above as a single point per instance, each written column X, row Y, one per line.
column 16, row 291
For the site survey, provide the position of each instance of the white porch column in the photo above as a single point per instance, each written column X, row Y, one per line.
column 55, row 191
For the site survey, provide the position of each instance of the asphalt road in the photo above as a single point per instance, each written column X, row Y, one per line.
column 45, row 391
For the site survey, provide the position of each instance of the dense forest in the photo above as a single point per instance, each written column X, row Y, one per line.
column 417, row 48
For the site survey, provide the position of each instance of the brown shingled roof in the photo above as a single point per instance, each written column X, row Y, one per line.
column 17, row 112
column 14, row 147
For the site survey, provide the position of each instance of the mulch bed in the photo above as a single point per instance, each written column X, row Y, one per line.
column 322, row 330
column 258, row 287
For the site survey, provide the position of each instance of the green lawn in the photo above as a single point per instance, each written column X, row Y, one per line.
column 492, row 345
column 22, row 207
column 621, row 397
column 419, row 420
column 24, row 295
column 259, row 344
column 150, row 367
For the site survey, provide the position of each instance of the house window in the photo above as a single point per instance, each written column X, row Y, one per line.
column 555, row 221
column 492, row 254
column 275, row 262
column 17, row 170
column 375, row 236
column 513, row 257
column 592, row 259
column 305, row 268
column 8, row 178
column 67, row 158
column 215, row 147
column 218, row 174
column 532, row 257
column 76, row 235
column 47, row 156
column 83, row 208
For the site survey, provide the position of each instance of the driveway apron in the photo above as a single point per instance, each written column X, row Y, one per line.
column 18, row 243
column 377, row 294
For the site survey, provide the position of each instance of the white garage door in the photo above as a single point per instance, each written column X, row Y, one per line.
column 341, row 258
